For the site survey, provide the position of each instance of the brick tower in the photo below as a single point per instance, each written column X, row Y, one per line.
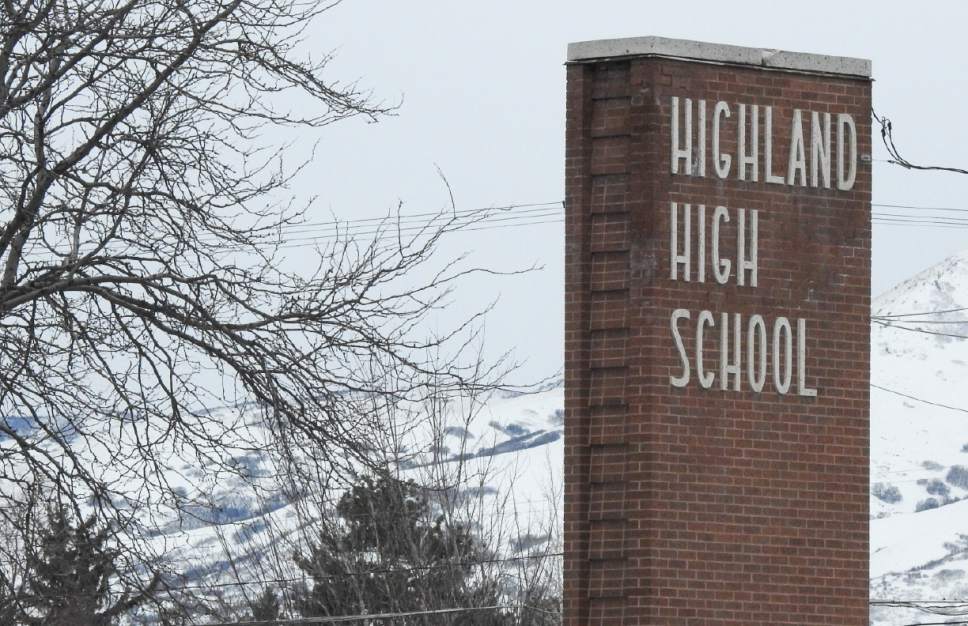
column 717, row 335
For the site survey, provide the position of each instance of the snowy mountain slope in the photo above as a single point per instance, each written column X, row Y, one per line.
column 919, row 451
column 505, row 455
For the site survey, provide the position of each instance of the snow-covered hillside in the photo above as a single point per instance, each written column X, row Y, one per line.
column 513, row 445
column 504, row 458
column 919, row 451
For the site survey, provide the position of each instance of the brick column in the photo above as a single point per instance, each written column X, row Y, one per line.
column 694, row 505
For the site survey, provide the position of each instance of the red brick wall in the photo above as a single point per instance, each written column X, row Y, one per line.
column 702, row 506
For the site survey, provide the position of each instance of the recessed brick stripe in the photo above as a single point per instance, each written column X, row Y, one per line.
column 688, row 505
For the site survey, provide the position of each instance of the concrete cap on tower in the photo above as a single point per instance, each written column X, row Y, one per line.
column 587, row 51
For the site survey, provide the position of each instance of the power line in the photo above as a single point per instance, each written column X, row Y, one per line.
column 947, row 608
column 918, row 223
column 264, row 582
column 375, row 616
column 411, row 230
column 928, row 213
column 392, row 234
column 887, row 137
column 908, row 321
column 919, row 330
column 919, row 219
column 370, row 572
column 888, row 321
column 522, row 214
column 417, row 221
column 952, row 608
column 920, row 313
column 390, row 217
column 394, row 228
column 919, row 208
column 474, row 221
column 917, row 399
column 421, row 220
column 358, row 227
column 915, row 224
column 885, row 602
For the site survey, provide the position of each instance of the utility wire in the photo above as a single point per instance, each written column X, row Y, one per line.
column 479, row 220
column 391, row 230
column 522, row 207
column 921, row 313
column 906, row 602
column 951, row 608
column 509, row 215
column 426, row 219
column 919, row 208
column 888, row 321
column 917, row 399
column 317, row 577
column 919, row 216
column 919, row 222
column 383, row 235
column 919, row 330
column 896, row 218
column 887, row 137
column 372, row 616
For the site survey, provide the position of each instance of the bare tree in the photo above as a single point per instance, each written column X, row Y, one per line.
column 438, row 522
column 448, row 518
column 144, row 280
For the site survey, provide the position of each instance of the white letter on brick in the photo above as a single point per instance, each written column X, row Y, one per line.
column 802, row 388
column 782, row 379
column 725, row 368
column 677, row 259
column 721, row 162
column 750, row 158
column 683, row 380
column 819, row 149
column 681, row 153
column 798, row 158
column 705, row 378
column 845, row 181
column 742, row 264
column 701, row 236
column 701, row 151
column 776, row 179
column 721, row 267
column 756, row 368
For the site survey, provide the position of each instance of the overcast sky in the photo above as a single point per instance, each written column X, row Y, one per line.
column 482, row 89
